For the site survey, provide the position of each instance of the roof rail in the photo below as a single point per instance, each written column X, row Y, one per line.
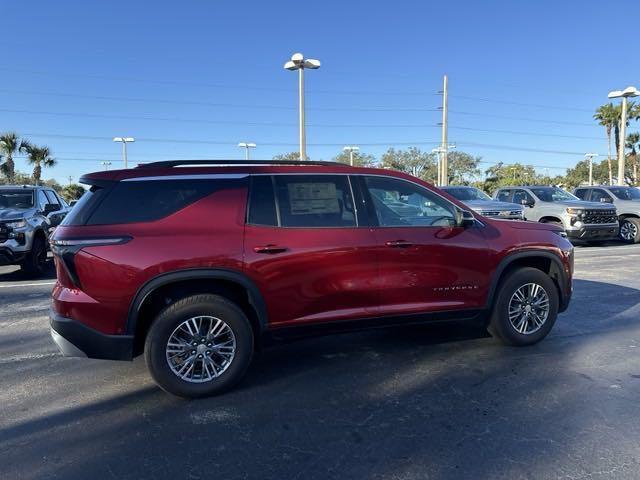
column 177, row 163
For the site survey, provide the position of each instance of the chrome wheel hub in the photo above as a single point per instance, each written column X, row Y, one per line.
column 628, row 231
column 528, row 308
column 201, row 349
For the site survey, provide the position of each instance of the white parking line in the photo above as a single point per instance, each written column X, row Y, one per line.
column 27, row 284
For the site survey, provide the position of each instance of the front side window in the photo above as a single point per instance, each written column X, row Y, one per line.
column 53, row 199
column 522, row 197
column 314, row 201
column 553, row 194
column 626, row 193
column 399, row 203
column 582, row 193
column 599, row 195
column 43, row 201
column 504, row 196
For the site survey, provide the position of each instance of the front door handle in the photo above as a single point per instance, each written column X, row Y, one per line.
column 399, row 244
column 269, row 249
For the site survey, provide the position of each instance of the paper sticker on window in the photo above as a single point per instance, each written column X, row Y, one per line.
column 310, row 198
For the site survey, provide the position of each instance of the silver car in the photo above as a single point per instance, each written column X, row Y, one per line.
column 27, row 214
column 581, row 220
column 627, row 203
column 483, row 204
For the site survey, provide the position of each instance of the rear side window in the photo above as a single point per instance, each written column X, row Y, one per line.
column 315, row 201
column 141, row 201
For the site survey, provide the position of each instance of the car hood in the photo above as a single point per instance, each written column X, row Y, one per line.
column 631, row 205
column 583, row 204
column 482, row 205
column 529, row 225
column 9, row 214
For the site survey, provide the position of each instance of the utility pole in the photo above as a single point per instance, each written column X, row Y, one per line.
column 124, row 141
column 589, row 156
column 298, row 62
column 70, row 179
column 624, row 94
column 106, row 165
column 351, row 149
column 443, row 174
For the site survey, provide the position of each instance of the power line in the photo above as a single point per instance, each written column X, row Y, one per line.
column 508, row 102
column 532, row 134
column 524, row 119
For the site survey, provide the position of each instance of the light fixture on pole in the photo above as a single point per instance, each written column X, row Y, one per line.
column 124, row 141
column 246, row 147
column 298, row 62
column 590, row 156
column 106, row 165
column 624, row 94
column 440, row 151
column 351, row 149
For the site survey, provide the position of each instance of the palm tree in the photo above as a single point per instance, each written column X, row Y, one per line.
column 38, row 157
column 633, row 140
column 607, row 117
column 9, row 145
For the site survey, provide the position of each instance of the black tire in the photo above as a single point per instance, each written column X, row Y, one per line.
column 633, row 224
column 35, row 262
column 171, row 317
column 499, row 324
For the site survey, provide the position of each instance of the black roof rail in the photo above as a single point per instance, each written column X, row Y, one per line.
column 177, row 163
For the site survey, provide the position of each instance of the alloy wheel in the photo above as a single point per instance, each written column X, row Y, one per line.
column 628, row 231
column 528, row 308
column 201, row 349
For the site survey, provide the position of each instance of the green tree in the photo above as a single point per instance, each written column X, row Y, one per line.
column 412, row 161
column 9, row 146
column 502, row 175
column 463, row 167
column 73, row 191
column 38, row 157
column 608, row 117
column 287, row 156
column 579, row 175
column 359, row 159
column 633, row 143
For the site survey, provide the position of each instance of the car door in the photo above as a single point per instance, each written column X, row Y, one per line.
column 600, row 195
column 427, row 263
column 309, row 250
column 524, row 198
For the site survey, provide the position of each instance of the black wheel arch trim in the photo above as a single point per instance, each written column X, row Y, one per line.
column 255, row 297
column 532, row 253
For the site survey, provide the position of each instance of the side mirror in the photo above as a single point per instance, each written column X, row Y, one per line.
column 605, row 200
column 465, row 218
column 48, row 208
column 526, row 203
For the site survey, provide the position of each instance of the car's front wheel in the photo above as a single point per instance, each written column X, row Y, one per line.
column 630, row 230
column 199, row 346
column 525, row 308
column 35, row 261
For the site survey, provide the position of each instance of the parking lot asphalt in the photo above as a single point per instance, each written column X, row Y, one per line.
column 414, row 402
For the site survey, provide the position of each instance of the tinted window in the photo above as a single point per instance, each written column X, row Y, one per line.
column 16, row 198
column 43, row 201
column 626, row 193
column 521, row 195
column 552, row 194
column 315, row 201
column 504, row 195
column 82, row 210
column 582, row 193
column 146, row 201
column 262, row 202
column 400, row 204
column 53, row 199
column 599, row 195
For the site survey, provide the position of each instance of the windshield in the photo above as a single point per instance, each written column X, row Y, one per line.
column 552, row 194
column 626, row 193
column 21, row 199
column 467, row 193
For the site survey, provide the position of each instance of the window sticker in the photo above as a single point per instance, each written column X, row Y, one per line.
column 313, row 198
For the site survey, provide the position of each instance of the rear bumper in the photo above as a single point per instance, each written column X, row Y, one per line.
column 594, row 232
column 75, row 339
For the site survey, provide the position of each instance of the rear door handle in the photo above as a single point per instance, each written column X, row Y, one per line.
column 269, row 249
column 399, row 244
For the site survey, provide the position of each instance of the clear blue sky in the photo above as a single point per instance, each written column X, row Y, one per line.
column 209, row 74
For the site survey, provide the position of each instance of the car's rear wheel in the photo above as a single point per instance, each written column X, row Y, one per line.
column 630, row 230
column 525, row 308
column 199, row 346
column 35, row 262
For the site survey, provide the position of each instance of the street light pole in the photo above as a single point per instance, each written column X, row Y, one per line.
column 589, row 156
column 444, row 164
column 624, row 94
column 298, row 62
column 246, row 147
column 106, row 165
column 440, row 168
column 351, row 149
column 124, row 141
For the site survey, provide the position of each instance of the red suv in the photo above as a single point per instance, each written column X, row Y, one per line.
column 195, row 263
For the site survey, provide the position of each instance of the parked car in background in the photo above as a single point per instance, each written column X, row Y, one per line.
column 27, row 215
column 627, row 203
column 580, row 220
column 483, row 204
column 194, row 266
